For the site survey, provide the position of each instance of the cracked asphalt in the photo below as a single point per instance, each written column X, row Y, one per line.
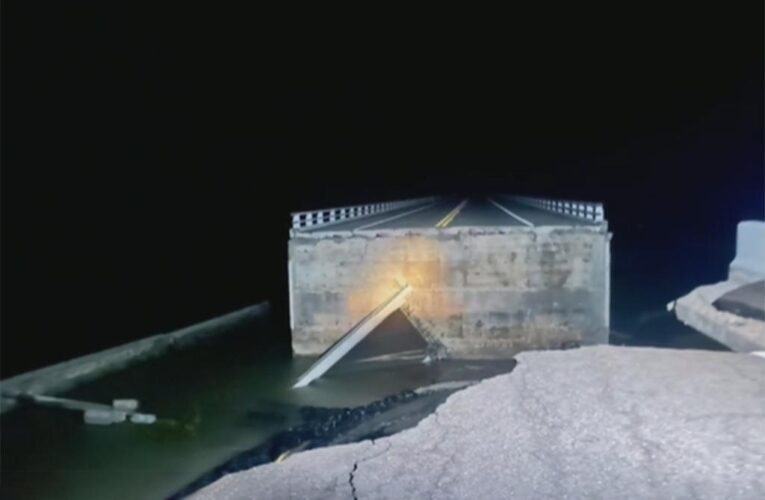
column 596, row 422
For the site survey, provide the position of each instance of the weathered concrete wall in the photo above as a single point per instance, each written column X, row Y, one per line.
column 482, row 292
column 749, row 264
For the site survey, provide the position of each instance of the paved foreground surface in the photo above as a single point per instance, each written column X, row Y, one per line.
column 597, row 422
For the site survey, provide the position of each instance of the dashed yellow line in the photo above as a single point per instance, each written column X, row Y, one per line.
column 451, row 215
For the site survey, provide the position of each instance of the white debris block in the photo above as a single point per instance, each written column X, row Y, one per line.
column 103, row 417
column 125, row 404
column 143, row 418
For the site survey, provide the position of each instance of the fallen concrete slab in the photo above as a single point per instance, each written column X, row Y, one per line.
column 747, row 301
column 596, row 422
column 697, row 310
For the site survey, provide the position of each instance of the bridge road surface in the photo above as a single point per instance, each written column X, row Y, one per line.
column 459, row 212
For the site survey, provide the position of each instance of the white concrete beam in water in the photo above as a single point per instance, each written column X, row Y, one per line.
column 356, row 334
column 94, row 413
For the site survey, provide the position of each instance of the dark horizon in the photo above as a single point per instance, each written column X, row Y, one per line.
column 150, row 161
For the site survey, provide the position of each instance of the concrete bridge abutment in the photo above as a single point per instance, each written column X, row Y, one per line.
column 481, row 292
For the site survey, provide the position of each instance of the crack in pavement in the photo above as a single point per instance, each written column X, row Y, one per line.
column 352, row 473
column 350, row 480
column 441, row 475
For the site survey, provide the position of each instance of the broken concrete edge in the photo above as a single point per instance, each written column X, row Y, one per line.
column 596, row 227
column 435, row 349
column 738, row 333
column 604, row 434
column 68, row 374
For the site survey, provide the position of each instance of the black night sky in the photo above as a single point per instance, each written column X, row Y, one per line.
column 150, row 159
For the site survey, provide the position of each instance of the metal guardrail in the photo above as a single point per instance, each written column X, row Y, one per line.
column 320, row 218
column 581, row 209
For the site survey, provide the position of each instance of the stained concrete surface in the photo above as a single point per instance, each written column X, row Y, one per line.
column 595, row 422
column 481, row 292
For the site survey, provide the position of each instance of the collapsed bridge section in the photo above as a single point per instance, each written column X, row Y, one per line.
column 489, row 277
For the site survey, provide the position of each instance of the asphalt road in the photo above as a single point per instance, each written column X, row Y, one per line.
column 468, row 212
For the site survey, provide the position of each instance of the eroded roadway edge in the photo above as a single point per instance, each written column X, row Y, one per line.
column 595, row 422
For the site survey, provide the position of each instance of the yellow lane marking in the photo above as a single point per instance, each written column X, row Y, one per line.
column 285, row 455
column 451, row 215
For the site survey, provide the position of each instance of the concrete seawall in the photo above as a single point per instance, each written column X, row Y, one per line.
column 481, row 291
column 63, row 376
